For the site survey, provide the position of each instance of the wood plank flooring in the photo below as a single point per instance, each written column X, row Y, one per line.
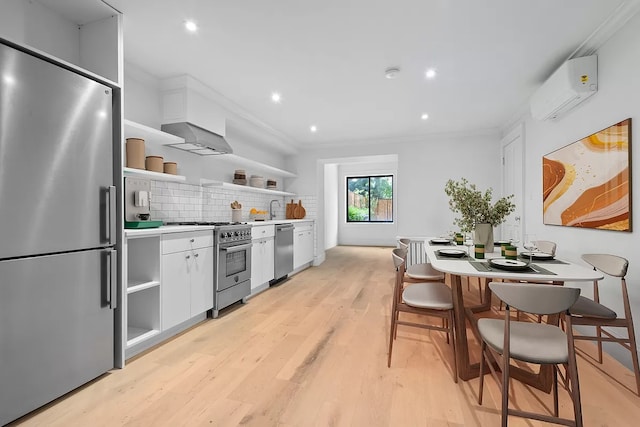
column 312, row 352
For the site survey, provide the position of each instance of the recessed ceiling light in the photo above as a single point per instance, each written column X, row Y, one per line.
column 275, row 97
column 425, row 116
column 430, row 73
column 313, row 128
column 392, row 73
column 191, row 26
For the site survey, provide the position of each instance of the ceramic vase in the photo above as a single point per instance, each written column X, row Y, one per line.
column 483, row 234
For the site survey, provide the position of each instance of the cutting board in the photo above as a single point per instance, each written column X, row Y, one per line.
column 289, row 211
column 299, row 211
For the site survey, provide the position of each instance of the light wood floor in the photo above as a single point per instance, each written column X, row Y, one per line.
column 312, row 352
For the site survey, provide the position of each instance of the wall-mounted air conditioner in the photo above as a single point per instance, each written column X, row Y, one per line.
column 572, row 83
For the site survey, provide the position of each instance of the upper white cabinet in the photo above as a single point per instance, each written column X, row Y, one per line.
column 86, row 34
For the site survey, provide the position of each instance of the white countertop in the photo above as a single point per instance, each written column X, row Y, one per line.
column 279, row 221
column 140, row 232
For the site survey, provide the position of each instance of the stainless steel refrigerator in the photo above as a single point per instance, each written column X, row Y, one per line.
column 58, row 276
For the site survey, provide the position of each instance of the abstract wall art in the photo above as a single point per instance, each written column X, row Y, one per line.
column 588, row 183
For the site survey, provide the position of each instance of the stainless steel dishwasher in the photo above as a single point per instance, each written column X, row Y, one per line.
column 283, row 252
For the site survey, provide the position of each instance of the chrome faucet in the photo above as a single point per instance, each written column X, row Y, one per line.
column 271, row 214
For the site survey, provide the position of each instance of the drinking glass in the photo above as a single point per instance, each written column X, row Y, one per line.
column 530, row 245
column 515, row 237
column 468, row 242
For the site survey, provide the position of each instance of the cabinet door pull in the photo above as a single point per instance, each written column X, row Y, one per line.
column 188, row 256
column 196, row 255
column 193, row 240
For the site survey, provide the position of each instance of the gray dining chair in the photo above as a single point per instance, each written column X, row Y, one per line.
column 546, row 246
column 530, row 342
column 422, row 272
column 591, row 312
column 431, row 299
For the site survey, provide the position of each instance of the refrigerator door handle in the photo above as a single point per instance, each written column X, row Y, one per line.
column 111, row 214
column 112, row 280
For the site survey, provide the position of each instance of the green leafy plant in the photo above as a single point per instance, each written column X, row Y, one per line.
column 357, row 214
column 474, row 206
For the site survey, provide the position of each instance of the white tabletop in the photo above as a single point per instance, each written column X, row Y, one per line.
column 569, row 272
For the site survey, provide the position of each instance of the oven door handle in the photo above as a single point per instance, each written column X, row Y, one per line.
column 237, row 248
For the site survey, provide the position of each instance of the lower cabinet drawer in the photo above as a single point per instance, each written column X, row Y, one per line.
column 179, row 242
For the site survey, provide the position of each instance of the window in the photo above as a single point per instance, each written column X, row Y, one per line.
column 370, row 199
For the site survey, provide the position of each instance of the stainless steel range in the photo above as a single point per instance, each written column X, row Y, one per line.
column 233, row 262
column 232, row 259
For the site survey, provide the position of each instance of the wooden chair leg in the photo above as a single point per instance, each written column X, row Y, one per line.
column 634, row 352
column 555, row 390
column 453, row 346
column 573, row 374
column 599, row 335
column 483, row 358
column 505, row 391
column 392, row 332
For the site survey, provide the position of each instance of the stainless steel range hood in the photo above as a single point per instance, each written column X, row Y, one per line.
column 197, row 140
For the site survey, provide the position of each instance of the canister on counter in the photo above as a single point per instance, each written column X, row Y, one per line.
column 171, row 168
column 154, row 163
column 135, row 153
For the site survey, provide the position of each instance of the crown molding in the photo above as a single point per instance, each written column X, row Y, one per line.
column 611, row 25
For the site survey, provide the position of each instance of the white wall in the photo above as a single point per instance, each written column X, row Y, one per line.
column 617, row 99
column 371, row 234
column 330, row 205
column 423, row 169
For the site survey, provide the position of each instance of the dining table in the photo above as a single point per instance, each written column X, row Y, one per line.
column 549, row 270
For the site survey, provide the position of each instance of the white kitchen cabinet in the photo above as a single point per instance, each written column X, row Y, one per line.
column 187, row 276
column 262, row 256
column 88, row 36
column 303, row 244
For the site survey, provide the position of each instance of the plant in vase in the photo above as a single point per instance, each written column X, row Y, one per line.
column 477, row 213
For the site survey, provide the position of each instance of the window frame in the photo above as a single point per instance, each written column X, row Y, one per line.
column 386, row 175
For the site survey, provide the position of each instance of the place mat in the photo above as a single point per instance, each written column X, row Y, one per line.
column 485, row 267
column 452, row 258
column 544, row 261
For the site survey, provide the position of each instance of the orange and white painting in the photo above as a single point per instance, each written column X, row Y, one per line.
column 588, row 183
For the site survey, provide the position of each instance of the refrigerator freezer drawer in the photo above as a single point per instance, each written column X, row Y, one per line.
column 56, row 327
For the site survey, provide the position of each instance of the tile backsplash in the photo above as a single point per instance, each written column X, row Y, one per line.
column 172, row 201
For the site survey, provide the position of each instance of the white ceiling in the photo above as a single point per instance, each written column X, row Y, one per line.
column 327, row 58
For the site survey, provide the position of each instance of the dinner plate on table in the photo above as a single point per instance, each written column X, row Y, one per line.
column 453, row 253
column 440, row 241
column 538, row 256
column 508, row 264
